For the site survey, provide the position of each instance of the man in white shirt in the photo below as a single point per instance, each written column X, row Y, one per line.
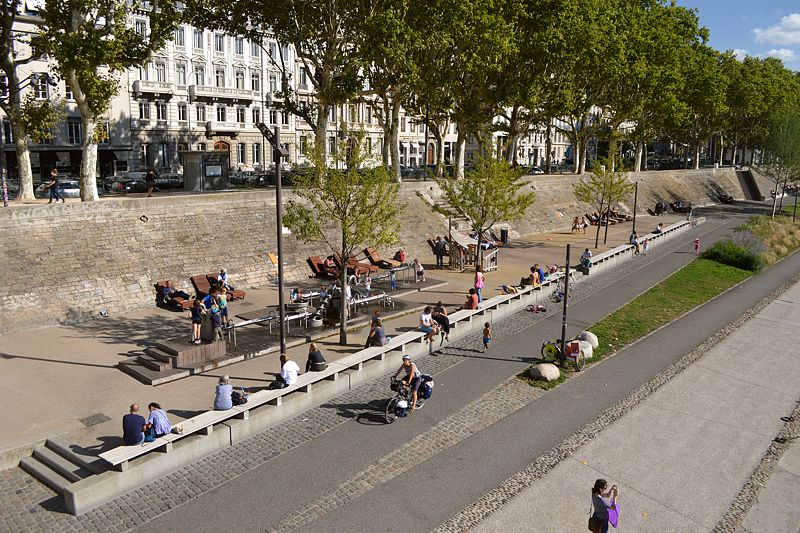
column 288, row 375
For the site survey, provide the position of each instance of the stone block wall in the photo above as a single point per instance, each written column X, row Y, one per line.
column 66, row 263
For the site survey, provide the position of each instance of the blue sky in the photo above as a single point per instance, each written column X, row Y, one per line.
column 757, row 28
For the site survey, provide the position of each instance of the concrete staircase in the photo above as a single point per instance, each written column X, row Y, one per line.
column 58, row 465
column 749, row 185
column 173, row 359
column 443, row 206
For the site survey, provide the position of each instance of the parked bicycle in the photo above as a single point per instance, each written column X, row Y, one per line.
column 551, row 351
column 559, row 292
column 395, row 405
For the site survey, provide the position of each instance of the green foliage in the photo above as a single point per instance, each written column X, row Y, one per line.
column 488, row 193
column 602, row 188
column 41, row 116
column 345, row 210
column 779, row 235
column 729, row 253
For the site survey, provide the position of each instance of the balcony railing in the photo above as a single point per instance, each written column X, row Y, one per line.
column 153, row 87
column 221, row 93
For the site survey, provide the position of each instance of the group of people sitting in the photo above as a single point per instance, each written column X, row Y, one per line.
column 138, row 430
column 487, row 242
column 579, row 225
column 538, row 275
column 612, row 216
column 434, row 321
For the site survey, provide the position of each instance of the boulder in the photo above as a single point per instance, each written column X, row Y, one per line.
column 589, row 337
column 545, row 372
column 586, row 348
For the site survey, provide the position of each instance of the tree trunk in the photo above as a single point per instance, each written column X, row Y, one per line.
column 599, row 223
column 461, row 145
column 548, row 146
column 395, row 140
column 579, row 155
column 321, row 131
column 697, row 156
column 637, row 160
column 387, row 135
column 437, row 134
column 721, row 149
column 23, row 160
column 734, row 148
column 88, row 179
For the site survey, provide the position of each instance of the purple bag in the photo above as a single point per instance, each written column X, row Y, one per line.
column 613, row 514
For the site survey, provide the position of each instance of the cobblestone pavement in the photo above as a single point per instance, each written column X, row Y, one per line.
column 30, row 506
column 505, row 492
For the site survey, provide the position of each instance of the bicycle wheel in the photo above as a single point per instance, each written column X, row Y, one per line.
column 549, row 351
column 580, row 361
column 390, row 413
column 420, row 402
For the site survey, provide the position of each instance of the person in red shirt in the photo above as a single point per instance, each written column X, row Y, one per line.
column 472, row 300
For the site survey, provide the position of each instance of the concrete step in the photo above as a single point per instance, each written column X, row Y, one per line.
column 151, row 377
column 43, row 473
column 76, row 454
column 161, row 355
column 153, row 363
column 61, row 465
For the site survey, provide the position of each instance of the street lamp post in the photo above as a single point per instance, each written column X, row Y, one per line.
column 278, row 152
column 635, row 199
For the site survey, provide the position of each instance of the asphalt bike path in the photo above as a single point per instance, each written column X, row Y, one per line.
column 445, row 483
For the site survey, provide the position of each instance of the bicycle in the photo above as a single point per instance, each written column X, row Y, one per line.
column 402, row 393
column 557, row 296
column 536, row 309
column 551, row 351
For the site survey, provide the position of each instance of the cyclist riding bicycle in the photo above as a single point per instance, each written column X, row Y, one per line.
column 412, row 380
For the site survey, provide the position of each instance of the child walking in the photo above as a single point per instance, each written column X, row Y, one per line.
column 487, row 335
column 216, row 321
column 392, row 280
column 645, row 246
column 197, row 319
column 222, row 303
column 697, row 246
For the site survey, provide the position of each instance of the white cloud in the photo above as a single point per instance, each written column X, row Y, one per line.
column 781, row 53
column 786, row 32
column 739, row 53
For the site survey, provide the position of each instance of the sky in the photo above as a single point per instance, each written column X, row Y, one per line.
column 753, row 27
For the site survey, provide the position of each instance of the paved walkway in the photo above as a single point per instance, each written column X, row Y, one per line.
column 35, row 365
column 681, row 457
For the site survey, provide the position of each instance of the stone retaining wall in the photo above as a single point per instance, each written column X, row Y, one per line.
column 65, row 263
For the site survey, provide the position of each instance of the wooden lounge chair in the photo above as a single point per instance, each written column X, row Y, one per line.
column 354, row 266
column 176, row 301
column 375, row 258
column 201, row 285
column 319, row 269
column 232, row 294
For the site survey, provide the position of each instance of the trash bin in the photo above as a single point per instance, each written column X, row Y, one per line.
column 504, row 235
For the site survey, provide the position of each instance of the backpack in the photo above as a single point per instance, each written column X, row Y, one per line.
column 425, row 391
column 401, row 409
column 239, row 398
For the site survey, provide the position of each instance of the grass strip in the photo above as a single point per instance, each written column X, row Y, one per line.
column 696, row 283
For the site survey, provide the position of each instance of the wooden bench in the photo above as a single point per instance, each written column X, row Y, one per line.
column 177, row 301
column 354, row 266
column 319, row 269
column 232, row 294
column 375, row 258
column 201, row 285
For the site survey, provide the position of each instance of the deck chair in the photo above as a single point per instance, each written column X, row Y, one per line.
column 375, row 258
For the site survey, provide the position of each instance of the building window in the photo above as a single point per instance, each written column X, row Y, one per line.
column 285, row 52
column 8, row 138
column 368, row 115
column 238, row 46
column 163, row 155
column 68, row 93
column 198, row 39
column 143, row 72
column 303, row 78
column 146, row 155
column 332, row 113
column 240, row 115
column 3, row 85
column 255, row 49
column 199, row 75
column 182, row 114
column 256, row 153
column 221, row 113
column 303, row 144
column 241, row 150
column 180, row 37
column 161, row 72
column 255, row 82
column 219, row 42
column 273, row 83
column 403, row 124
column 74, row 132
column 141, row 28
column 285, row 118
column 273, row 116
column 332, row 145
column 219, row 77
column 256, row 115
column 351, row 112
column 273, row 50
column 239, row 77
column 180, row 73
column 41, row 87
column 369, row 145
column 201, row 147
column 201, row 113
column 161, row 111
column 144, row 110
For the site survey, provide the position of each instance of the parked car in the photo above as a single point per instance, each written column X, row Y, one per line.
column 534, row 170
column 128, row 185
column 67, row 188
column 170, row 181
column 680, row 207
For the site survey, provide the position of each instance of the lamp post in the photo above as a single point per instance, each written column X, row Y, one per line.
column 564, row 312
column 635, row 199
column 4, row 94
column 278, row 152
